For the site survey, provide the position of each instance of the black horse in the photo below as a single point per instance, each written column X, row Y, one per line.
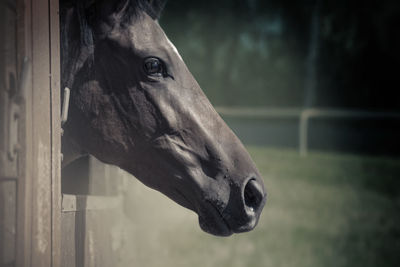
column 135, row 104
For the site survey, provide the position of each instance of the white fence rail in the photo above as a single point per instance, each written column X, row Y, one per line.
column 304, row 116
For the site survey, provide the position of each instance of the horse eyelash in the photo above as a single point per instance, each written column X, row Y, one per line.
column 166, row 74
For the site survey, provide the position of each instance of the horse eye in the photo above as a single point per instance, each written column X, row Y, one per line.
column 154, row 66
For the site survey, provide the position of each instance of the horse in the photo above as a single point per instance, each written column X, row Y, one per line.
column 135, row 104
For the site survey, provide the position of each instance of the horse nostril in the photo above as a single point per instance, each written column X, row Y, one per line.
column 253, row 194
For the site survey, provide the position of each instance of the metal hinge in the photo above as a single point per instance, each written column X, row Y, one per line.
column 14, row 112
column 13, row 122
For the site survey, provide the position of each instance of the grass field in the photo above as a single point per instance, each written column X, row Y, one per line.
column 323, row 210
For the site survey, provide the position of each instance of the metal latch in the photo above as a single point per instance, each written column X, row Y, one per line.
column 65, row 106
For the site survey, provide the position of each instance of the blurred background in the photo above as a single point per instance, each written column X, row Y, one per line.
column 311, row 87
column 293, row 55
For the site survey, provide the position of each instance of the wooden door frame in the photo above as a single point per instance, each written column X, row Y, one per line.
column 39, row 186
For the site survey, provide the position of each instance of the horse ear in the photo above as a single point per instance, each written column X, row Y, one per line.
column 157, row 7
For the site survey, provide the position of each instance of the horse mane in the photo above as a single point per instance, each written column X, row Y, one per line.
column 77, row 36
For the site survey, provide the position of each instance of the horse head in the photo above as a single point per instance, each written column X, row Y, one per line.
column 135, row 104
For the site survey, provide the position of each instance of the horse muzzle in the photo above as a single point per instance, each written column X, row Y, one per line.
column 240, row 214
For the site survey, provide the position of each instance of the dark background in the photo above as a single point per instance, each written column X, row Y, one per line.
column 324, row 53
